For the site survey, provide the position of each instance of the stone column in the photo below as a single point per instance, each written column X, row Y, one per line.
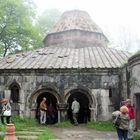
column 21, row 103
column 92, row 114
column 62, row 112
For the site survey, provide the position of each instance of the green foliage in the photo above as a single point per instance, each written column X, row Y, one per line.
column 47, row 20
column 137, row 136
column 125, row 62
column 101, row 125
column 65, row 124
column 17, row 30
column 138, row 52
column 21, row 123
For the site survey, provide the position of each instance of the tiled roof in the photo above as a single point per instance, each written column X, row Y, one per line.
column 66, row 58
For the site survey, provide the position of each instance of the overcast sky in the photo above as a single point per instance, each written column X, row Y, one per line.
column 112, row 16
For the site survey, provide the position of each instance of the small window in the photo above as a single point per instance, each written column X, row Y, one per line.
column 15, row 94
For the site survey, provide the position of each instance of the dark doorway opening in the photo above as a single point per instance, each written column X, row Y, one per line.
column 84, row 112
column 137, row 111
column 52, row 114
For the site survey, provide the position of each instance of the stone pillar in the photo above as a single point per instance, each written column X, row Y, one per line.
column 92, row 114
column 33, row 113
column 21, row 104
column 62, row 112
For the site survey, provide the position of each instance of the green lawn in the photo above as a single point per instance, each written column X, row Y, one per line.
column 101, row 125
column 26, row 124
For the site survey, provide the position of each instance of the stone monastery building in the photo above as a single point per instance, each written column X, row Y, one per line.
column 75, row 62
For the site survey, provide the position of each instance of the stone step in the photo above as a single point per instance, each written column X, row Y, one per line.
column 27, row 137
column 27, row 133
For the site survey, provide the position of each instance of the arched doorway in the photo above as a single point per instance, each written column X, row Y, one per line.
column 82, row 98
column 15, row 97
column 52, row 115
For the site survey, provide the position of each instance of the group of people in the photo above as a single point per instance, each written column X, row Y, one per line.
column 5, row 111
column 125, row 129
column 47, row 113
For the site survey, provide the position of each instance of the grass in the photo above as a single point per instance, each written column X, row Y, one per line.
column 107, row 126
column 26, row 124
column 137, row 136
column 46, row 135
column 65, row 124
column 101, row 125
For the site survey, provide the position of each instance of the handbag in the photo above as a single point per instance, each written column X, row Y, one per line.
column 117, row 121
column 7, row 113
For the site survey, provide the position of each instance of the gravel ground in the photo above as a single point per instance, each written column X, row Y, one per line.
column 82, row 133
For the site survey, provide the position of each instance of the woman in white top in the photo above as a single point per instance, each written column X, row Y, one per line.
column 6, row 111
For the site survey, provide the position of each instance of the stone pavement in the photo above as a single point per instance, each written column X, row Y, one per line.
column 82, row 133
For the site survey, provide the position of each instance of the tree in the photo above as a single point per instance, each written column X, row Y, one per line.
column 128, row 40
column 47, row 20
column 17, row 31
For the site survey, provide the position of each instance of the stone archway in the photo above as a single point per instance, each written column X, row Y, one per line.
column 86, row 102
column 52, row 115
column 52, row 98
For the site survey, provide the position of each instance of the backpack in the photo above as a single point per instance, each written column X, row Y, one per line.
column 116, row 120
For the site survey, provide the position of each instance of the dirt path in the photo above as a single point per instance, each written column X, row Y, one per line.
column 82, row 133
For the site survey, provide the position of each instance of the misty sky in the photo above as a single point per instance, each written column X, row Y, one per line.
column 113, row 16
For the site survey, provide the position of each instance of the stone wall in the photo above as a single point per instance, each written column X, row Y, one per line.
column 124, row 78
column 96, row 83
column 134, row 68
column 76, row 38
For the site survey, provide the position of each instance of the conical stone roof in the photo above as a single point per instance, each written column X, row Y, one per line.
column 73, row 27
column 76, row 19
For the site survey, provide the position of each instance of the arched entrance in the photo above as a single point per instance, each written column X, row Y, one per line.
column 53, row 98
column 83, row 99
column 52, row 115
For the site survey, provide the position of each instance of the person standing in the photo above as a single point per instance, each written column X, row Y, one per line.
column 6, row 111
column 122, row 128
column 51, row 114
column 43, row 111
column 75, row 110
column 86, row 118
column 132, row 119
